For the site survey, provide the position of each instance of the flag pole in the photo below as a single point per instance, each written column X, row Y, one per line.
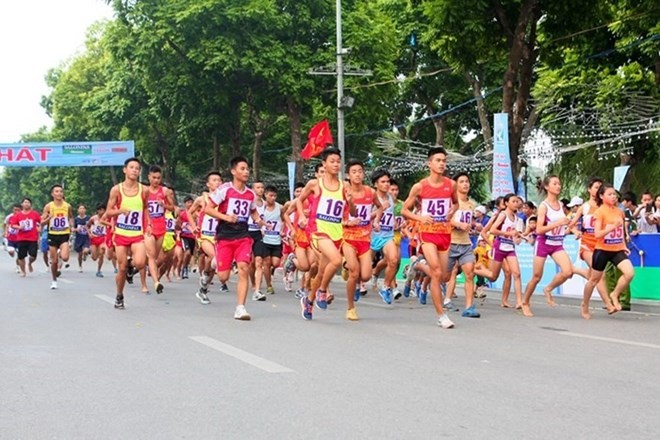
column 340, row 91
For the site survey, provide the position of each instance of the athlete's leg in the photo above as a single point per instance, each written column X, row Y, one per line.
column 537, row 274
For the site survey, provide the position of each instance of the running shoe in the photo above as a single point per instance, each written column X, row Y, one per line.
column 270, row 290
column 79, row 269
column 450, row 306
column 351, row 314
column 290, row 264
column 258, row 296
column 99, row 275
column 241, row 314
column 445, row 322
column 363, row 289
column 356, row 295
column 224, row 288
column 307, row 308
column 203, row 297
column 119, row 302
column 406, row 291
column 422, row 297
column 287, row 283
column 321, row 299
column 386, row 295
column 374, row 283
column 330, row 298
column 184, row 273
column 418, row 288
column 301, row 293
column 479, row 293
column 396, row 293
column 471, row 312
column 159, row 288
column 53, row 285
column 344, row 273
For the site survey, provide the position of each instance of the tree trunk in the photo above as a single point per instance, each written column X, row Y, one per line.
column 293, row 112
column 256, row 155
column 440, row 125
column 113, row 176
column 216, row 152
column 486, row 130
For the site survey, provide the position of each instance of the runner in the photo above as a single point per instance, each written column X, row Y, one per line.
column 81, row 243
column 551, row 229
column 289, row 250
column 271, row 247
column 438, row 199
column 166, row 258
column 207, row 227
column 11, row 235
column 58, row 214
column 610, row 247
column 159, row 200
column 325, row 218
column 187, row 225
column 256, row 234
column 357, row 235
column 382, row 238
column 507, row 236
column 232, row 203
column 27, row 224
column 97, row 231
column 127, row 204
column 461, row 254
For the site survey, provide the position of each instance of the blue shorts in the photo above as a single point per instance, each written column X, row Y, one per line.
column 43, row 244
column 81, row 242
column 378, row 242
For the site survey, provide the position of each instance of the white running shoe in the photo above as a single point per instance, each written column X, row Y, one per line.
column 53, row 285
column 445, row 322
column 258, row 296
column 241, row 314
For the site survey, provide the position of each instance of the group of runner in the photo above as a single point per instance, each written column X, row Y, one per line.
column 329, row 225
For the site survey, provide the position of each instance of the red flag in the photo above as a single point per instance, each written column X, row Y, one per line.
column 319, row 137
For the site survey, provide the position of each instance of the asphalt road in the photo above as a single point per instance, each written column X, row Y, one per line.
column 168, row 367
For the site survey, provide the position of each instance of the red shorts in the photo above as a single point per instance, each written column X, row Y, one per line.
column 361, row 247
column 109, row 242
column 98, row 241
column 286, row 249
column 316, row 236
column 228, row 251
column 302, row 239
column 158, row 227
column 584, row 248
column 120, row 240
column 441, row 241
column 159, row 235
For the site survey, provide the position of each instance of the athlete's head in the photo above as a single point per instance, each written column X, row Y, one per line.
column 100, row 208
column 462, row 182
column 240, row 170
column 57, row 192
column 188, row 201
column 155, row 175
column 394, row 188
column 26, row 204
column 132, row 167
column 213, row 180
column 331, row 159
column 528, row 208
column 437, row 160
column 319, row 171
column 593, row 185
column 532, row 222
column 381, row 180
column 511, row 201
column 298, row 189
column 82, row 210
column 270, row 192
column 355, row 171
column 607, row 195
column 551, row 185
column 258, row 188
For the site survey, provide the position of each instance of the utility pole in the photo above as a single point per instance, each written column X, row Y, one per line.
column 339, row 70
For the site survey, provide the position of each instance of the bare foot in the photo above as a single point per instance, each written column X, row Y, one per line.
column 505, row 305
column 30, row 267
column 616, row 304
column 584, row 310
column 518, row 306
column 527, row 310
column 611, row 310
column 144, row 290
column 548, row 298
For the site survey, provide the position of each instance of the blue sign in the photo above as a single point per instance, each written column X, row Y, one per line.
column 502, row 174
column 66, row 154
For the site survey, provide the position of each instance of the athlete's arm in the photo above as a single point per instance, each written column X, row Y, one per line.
column 112, row 210
column 454, row 199
column 257, row 218
column 45, row 216
column 601, row 231
column 310, row 188
column 169, row 200
column 194, row 208
column 499, row 220
column 376, row 215
column 409, row 204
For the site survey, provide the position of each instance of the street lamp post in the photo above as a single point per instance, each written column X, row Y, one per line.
column 340, row 90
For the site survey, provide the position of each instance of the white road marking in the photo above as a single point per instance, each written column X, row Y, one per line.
column 65, row 281
column 237, row 353
column 106, row 298
column 614, row 340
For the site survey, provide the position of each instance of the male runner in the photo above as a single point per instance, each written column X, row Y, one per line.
column 232, row 203
column 256, row 266
column 127, row 204
column 11, row 235
column 59, row 216
column 382, row 240
column 97, row 231
column 81, row 243
column 187, row 225
column 159, row 200
column 437, row 195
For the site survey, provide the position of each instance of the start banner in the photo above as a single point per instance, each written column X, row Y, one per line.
column 66, row 154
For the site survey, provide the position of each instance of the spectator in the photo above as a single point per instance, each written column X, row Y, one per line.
column 629, row 207
column 564, row 204
column 645, row 213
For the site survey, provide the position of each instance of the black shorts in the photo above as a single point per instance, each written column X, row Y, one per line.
column 26, row 248
column 188, row 244
column 601, row 258
column 269, row 250
column 57, row 240
column 257, row 243
column 81, row 242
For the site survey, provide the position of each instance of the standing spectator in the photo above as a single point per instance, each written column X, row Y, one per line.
column 645, row 212
column 629, row 207
column 574, row 205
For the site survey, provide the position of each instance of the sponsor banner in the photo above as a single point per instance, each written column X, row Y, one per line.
column 66, row 154
column 502, row 174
